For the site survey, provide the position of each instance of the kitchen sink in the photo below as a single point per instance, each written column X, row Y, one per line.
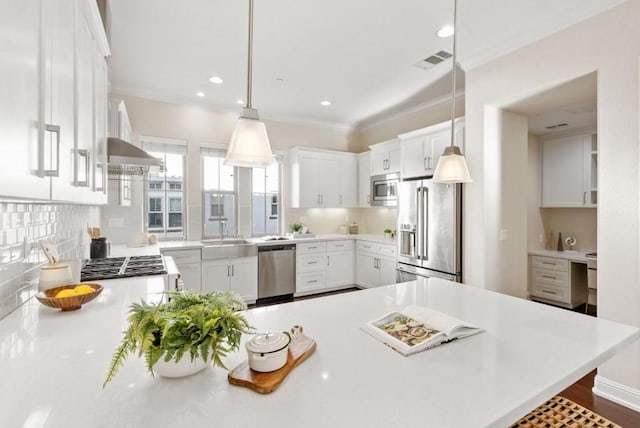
column 216, row 249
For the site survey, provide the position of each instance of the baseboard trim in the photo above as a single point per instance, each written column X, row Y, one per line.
column 617, row 392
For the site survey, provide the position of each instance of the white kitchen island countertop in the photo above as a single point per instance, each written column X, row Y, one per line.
column 52, row 364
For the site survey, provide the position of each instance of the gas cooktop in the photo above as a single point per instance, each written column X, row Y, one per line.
column 122, row 267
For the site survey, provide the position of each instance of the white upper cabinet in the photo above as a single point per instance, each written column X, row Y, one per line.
column 385, row 157
column 422, row 148
column 119, row 124
column 569, row 171
column 322, row 178
column 364, row 180
column 48, row 123
column 22, row 160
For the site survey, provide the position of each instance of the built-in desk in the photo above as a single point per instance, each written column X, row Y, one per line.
column 558, row 277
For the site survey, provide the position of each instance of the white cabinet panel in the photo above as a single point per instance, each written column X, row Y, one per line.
column 569, row 172
column 310, row 262
column 20, row 121
column 311, row 281
column 328, row 180
column 375, row 264
column 348, row 182
column 244, row 278
column 364, row 180
column 340, row 268
column 191, row 273
column 367, row 274
column 387, row 268
column 386, row 158
column 215, row 275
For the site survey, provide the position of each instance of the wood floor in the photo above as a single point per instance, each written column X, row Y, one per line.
column 580, row 392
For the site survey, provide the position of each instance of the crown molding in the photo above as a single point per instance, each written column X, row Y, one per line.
column 184, row 100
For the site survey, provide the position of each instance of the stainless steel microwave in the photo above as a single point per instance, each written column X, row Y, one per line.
column 384, row 190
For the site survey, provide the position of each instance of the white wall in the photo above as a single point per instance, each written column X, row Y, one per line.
column 535, row 228
column 609, row 44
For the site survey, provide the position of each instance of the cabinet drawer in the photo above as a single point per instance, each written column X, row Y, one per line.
column 550, row 263
column 388, row 250
column 311, row 247
column 551, row 292
column 184, row 256
column 551, row 277
column 345, row 245
column 309, row 281
column 367, row 247
column 311, row 262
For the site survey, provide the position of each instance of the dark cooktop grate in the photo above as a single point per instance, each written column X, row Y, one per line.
column 122, row 267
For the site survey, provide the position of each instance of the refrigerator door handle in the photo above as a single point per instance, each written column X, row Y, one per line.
column 424, row 223
column 419, row 238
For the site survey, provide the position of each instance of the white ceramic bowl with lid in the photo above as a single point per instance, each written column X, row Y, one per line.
column 268, row 352
column 54, row 274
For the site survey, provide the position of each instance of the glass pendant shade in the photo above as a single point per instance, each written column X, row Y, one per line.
column 249, row 146
column 452, row 167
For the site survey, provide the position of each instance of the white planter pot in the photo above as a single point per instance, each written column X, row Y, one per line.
column 184, row 367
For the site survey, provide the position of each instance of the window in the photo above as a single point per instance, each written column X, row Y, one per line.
column 265, row 198
column 218, row 195
column 165, row 194
column 155, row 213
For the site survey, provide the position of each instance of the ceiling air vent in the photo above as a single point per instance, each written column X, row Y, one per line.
column 434, row 59
column 557, row 125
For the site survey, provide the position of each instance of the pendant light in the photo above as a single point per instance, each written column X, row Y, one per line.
column 452, row 166
column 249, row 146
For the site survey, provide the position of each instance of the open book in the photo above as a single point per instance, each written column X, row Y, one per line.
column 414, row 329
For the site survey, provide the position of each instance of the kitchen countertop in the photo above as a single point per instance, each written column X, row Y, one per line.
column 52, row 364
column 574, row 256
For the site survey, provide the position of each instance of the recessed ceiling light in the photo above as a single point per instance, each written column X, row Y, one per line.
column 239, row 101
column 446, row 31
column 200, row 94
column 325, row 103
column 215, row 79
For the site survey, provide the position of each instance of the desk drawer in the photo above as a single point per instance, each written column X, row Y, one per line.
column 550, row 263
column 551, row 277
column 551, row 292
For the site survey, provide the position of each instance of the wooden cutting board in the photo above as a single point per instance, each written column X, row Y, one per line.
column 300, row 348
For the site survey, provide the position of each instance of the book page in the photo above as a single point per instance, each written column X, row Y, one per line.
column 453, row 328
column 406, row 335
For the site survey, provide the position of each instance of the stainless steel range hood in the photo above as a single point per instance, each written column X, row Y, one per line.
column 126, row 159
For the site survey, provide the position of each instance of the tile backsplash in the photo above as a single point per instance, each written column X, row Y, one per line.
column 22, row 227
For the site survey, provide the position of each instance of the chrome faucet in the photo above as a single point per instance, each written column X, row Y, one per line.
column 223, row 226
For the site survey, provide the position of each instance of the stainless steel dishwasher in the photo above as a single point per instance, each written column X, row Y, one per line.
column 276, row 271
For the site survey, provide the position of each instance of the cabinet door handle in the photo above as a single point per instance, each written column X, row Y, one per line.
column 340, row 199
column 233, row 270
column 228, row 270
column 376, row 263
column 53, row 172
column 328, row 261
column 549, row 277
column 312, row 281
column 368, row 199
column 312, row 263
column 584, row 198
column 83, row 153
column 549, row 263
column 549, row 291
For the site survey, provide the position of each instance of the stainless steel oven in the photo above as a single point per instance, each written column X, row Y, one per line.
column 384, row 190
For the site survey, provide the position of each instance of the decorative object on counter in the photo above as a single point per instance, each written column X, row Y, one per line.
column 388, row 234
column 54, row 274
column 560, row 247
column 69, row 297
column 296, row 228
column 343, row 229
column 353, row 228
column 267, row 352
column 571, row 242
column 99, row 248
column 249, row 145
column 452, row 166
column 153, row 239
column 94, row 232
column 300, row 348
column 300, row 235
column 192, row 326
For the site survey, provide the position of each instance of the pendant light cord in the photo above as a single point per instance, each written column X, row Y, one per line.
column 250, row 59
column 453, row 74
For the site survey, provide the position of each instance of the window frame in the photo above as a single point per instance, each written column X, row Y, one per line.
column 204, row 192
column 269, row 205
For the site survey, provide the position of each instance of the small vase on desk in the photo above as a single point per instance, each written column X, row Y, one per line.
column 560, row 247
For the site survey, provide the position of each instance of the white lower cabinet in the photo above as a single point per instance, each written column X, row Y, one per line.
column 375, row 264
column 323, row 266
column 558, row 281
column 189, row 263
column 239, row 275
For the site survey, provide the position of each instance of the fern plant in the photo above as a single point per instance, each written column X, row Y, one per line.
column 207, row 326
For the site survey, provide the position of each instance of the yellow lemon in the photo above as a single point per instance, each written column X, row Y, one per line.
column 67, row 292
column 83, row 289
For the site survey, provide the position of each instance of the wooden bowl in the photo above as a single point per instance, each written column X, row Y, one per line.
column 71, row 303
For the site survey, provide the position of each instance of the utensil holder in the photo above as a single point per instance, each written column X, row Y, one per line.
column 99, row 248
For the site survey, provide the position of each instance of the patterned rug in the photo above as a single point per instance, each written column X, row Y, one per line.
column 560, row 413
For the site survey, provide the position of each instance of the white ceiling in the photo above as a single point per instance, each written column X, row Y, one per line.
column 356, row 53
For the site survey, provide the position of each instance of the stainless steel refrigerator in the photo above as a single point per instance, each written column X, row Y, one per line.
column 430, row 230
